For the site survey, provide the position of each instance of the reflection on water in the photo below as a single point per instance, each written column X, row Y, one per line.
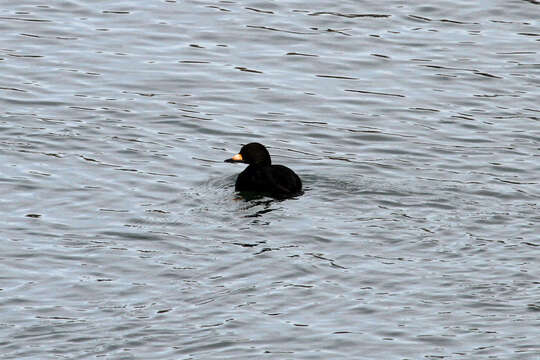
column 255, row 204
column 414, row 129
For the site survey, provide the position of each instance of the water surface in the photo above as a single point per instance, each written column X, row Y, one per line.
column 414, row 127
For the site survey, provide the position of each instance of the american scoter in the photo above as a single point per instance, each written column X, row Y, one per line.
column 261, row 176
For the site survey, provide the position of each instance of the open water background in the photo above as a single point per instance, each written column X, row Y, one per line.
column 414, row 126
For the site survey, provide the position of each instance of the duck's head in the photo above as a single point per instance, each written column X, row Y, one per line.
column 252, row 153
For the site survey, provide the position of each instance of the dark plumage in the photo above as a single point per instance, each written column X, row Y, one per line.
column 261, row 176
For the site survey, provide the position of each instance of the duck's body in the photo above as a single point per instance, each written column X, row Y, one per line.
column 274, row 179
column 261, row 176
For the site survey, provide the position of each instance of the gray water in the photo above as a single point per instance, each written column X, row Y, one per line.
column 414, row 127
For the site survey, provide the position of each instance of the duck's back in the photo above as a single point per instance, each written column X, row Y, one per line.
column 277, row 180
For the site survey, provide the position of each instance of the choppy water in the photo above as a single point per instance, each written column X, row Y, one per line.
column 415, row 128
